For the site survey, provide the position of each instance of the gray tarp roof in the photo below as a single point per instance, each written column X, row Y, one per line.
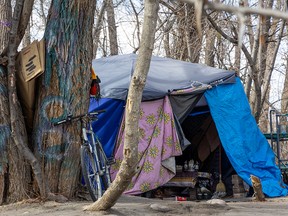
column 164, row 75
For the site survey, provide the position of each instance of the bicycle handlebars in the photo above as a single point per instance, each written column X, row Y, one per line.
column 71, row 118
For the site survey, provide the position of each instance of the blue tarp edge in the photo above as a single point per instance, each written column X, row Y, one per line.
column 245, row 145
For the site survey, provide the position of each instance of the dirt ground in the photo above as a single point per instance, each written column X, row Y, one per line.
column 134, row 206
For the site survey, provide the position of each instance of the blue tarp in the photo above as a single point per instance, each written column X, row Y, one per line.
column 245, row 145
column 108, row 123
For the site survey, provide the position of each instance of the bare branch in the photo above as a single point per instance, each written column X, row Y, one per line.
column 241, row 19
column 232, row 40
column 198, row 13
column 24, row 20
column 100, row 17
column 168, row 6
column 241, row 10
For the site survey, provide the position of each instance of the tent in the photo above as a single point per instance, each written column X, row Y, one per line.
column 184, row 105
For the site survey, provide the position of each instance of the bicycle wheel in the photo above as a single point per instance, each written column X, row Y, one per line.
column 90, row 173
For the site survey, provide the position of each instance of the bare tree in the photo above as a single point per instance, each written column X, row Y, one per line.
column 209, row 49
column 111, row 27
column 5, row 26
column 18, row 130
column 137, row 26
column 97, row 28
column 193, row 36
column 18, row 181
column 129, row 164
column 284, row 98
column 27, row 36
column 260, row 67
column 42, row 12
column 5, row 23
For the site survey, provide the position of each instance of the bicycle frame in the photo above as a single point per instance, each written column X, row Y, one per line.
column 92, row 148
column 90, row 143
column 94, row 144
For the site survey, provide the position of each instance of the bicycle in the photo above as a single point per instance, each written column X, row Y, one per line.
column 94, row 163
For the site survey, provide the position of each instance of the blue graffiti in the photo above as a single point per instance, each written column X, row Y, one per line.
column 57, row 151
column 50, row 101
column 6, row 24
column 4, row 135
column 2, row 71
column 3, row 90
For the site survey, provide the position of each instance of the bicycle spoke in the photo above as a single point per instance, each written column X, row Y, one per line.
column 90, row 173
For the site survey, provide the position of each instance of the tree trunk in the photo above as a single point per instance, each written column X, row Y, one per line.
column 4, row 131
column 5, row 26
column 64, row 89
column 130, row 152
column 272, row 50
column 18, row 176
column 179, row 48
column 193, row 39
column 167, row 44
column 97, row 29
column 209, row 49
column 18, row 130
column 42, row 12
column 27, row 36
column 136, row 33
column 112, row 28
column 5, row 23
column 284, row 97
column 237, row 62
column 24, row 20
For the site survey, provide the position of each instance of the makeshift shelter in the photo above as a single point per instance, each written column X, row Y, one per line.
column 188, row 105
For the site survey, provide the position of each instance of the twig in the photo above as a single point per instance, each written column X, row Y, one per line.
column 241, row 10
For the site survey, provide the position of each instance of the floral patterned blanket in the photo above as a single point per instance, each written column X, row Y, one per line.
column 158, row 143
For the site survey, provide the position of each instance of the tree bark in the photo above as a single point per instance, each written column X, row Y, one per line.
column 237, row 62
column 5, row 23
column 18, row 130
column 24, row 20
column 64, row 89
column 27, row 36
column 97, row 29
column 209, row 49
column 17, row 178
column 4, row 131
column 193, row 39
column 284, row 96
column 129, row 165
column 179, row 47
column 111, row 27
column 136, row 33
column 277, row 29
column 5, row 26
column 42, row 12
